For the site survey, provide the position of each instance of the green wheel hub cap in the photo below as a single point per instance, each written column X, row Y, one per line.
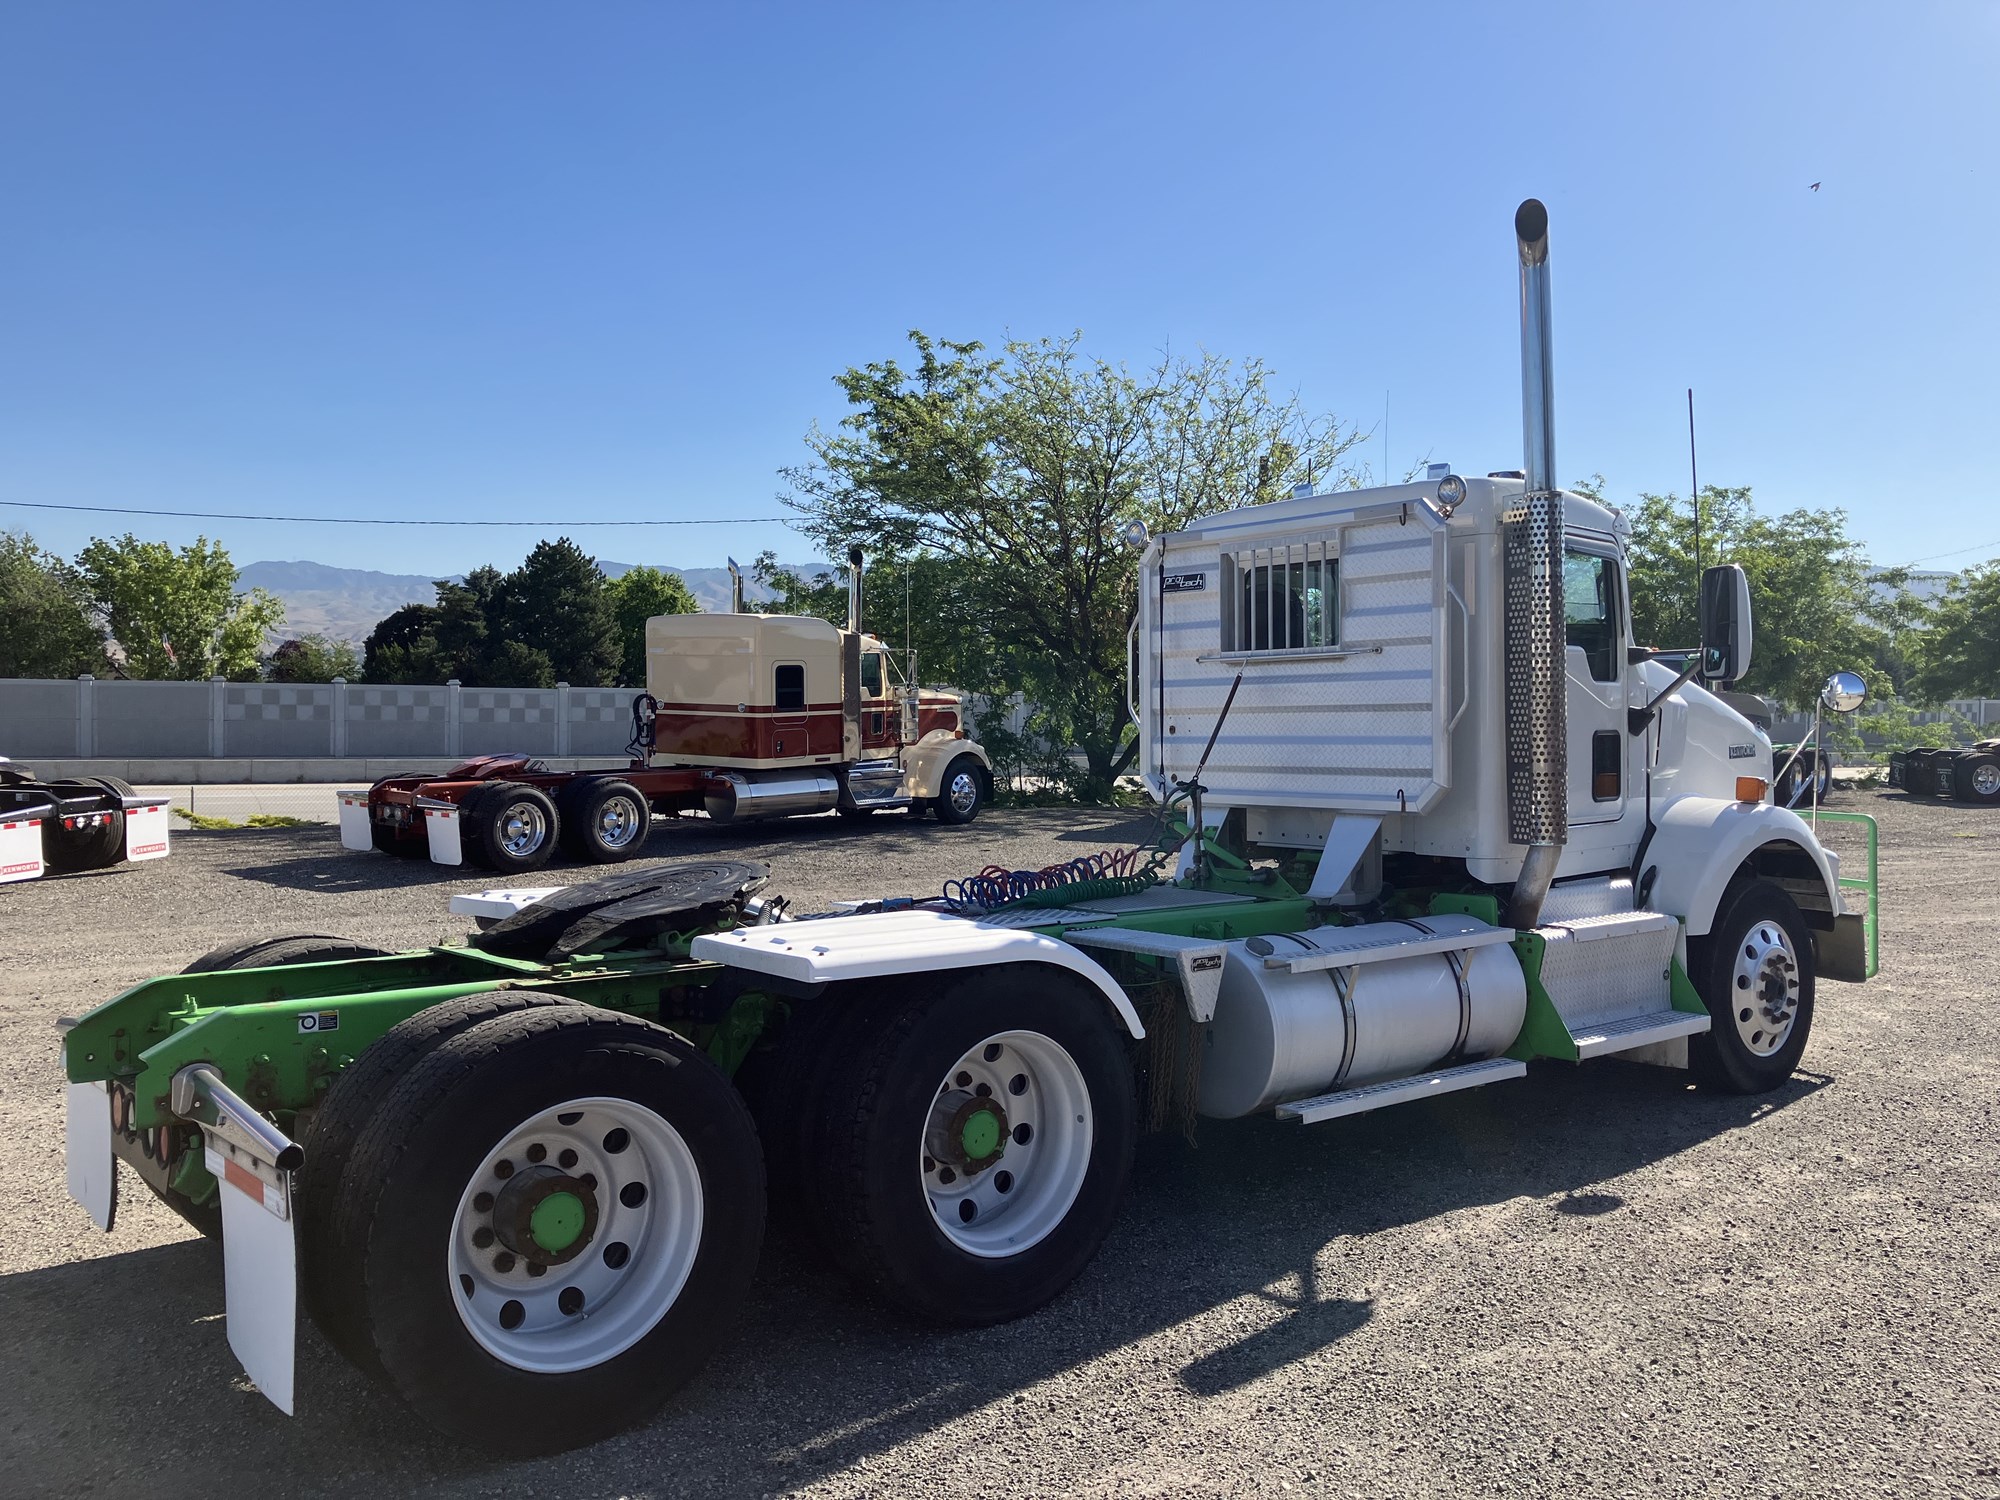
column 980, row 1135
column 557, row 1221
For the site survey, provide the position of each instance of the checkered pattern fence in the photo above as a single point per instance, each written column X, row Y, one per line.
column 85, row 719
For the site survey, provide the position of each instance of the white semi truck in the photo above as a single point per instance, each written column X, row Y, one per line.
column 1447, row 818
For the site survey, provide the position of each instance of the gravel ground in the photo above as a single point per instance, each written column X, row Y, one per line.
column 1597, row 1281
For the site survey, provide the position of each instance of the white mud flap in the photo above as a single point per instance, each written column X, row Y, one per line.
column 146, row 829
column 441, row 826
column 93, row 1170
column 259, row 1269
column 20, row 849
column 354, row 830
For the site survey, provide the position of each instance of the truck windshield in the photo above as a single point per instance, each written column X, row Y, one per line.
column 1590, row 614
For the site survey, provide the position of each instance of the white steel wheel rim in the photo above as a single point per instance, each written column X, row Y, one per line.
column 522, row 828
column 964, row 792
column 1020, row 1198
column 595, row 1306
column 1986, row 780
column 618, row 822
column 1764, row 988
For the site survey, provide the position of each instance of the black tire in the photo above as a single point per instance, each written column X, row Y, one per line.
column 258, row 953
column 876, row 1190
column 595, row 811
column 1976, row 778
column 417, row 1159
column 497, row 825
column 962, row 791
column 66, row 851
column 329, row 1268
column 1753, row 914
column 276, row 952
column 1823, row 772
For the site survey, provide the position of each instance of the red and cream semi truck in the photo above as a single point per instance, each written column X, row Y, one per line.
column 745, row 717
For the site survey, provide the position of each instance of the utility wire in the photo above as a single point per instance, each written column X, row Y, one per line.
column 223, row 515
column 1959, row 552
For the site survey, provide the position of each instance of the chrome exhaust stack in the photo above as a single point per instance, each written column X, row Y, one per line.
column 1532, row 547
column 854, row 589
column 735, row 588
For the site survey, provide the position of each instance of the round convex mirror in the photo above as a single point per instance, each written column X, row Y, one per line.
column 1843, row 692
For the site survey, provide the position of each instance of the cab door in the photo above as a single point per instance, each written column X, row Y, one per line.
column 1594, row 651
column 881, row 720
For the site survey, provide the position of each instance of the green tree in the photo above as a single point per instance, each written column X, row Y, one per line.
column 1810, row 599
column 45, row 624
column 177, row 615
column 467, row 614
column 313, row 658
column 403, row 646
column 1959, row 652
column 555, row 603
column 1019, row 471
column 635, row 598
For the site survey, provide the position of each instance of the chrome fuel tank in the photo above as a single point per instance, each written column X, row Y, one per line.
column 1278, row 1035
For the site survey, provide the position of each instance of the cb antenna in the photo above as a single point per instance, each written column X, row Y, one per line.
column 1694, row 492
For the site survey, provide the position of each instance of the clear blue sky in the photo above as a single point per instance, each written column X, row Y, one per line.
column 589, row 261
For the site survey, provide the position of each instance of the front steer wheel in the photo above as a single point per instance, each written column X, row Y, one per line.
column 963, row 791
column 1754, row 971
column 557, row 1214
column 974, row 1144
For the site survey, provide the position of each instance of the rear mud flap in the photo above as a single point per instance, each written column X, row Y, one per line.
column 354, row 830
column 259, row 1271
column 92, row 1169
column 20, row 849
column 146, row 829
column 441, row 827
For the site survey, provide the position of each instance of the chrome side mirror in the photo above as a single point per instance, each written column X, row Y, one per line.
column 1843, row 693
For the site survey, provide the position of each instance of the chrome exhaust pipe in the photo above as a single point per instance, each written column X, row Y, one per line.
column 1532, row 549
column 735, row 588
column 854, row 589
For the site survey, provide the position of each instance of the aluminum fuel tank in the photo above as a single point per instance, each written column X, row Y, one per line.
column 1279, row 1036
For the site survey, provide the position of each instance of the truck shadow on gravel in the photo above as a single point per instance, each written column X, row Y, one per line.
column 118, row 1366
column 312, row 859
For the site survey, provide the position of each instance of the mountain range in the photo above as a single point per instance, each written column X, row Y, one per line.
column 346, row 603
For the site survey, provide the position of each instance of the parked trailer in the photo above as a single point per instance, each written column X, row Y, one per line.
column 1970, row 774
column 745, row 717
column 1442, row 818
column 67, row 825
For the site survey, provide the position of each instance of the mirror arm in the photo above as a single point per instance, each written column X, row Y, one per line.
column 1637, row 720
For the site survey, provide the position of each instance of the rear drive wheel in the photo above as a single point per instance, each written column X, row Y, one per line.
column 604, row 820
column 512, row 826
column 557, row 1215
column 1754, row 972
column 962, row 792
column 330, row 1268
column 977, row 1145
column 1977, row 778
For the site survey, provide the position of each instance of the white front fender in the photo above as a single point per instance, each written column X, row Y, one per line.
column 1700, row 844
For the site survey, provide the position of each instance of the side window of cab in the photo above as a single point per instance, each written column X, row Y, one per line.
column 1590, row 611
column 872, row 676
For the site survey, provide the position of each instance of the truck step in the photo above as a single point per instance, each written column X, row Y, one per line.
column 1402, row 1090
column 1637, row 1031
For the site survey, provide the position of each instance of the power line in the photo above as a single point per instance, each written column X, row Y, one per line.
column 1959, row 552
column 223, row 515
